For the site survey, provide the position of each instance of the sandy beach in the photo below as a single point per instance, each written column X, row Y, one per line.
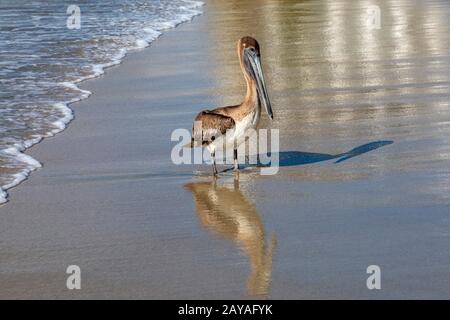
column 364, row 134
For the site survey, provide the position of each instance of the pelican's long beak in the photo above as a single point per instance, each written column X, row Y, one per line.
column 253, row 66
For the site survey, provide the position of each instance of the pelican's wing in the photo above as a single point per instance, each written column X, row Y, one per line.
column 209, row 126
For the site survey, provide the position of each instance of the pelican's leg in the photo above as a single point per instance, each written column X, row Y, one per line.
column 236, row 163
column 213, row 156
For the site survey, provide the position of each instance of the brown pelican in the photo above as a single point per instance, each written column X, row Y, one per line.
column 226, row 211
column 228, row 125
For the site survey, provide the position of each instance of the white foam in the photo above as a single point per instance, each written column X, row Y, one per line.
column 83, row 93
column 99, row 69
column 67, row 117
column 31, row 165
column 2, row 196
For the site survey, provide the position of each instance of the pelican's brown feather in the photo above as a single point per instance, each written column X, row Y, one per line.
column 213, row 125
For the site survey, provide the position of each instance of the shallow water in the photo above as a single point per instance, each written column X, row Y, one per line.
column 364, row 120
column 338, row 83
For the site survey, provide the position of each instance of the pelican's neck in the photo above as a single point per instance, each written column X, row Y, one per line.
column 251, row 96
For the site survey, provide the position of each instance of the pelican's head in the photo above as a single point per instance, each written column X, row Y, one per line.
column 250, row 55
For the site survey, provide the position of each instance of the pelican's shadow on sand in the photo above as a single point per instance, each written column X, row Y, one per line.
column 298, row 158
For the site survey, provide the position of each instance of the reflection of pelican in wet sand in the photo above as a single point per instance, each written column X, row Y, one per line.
column 226, row 211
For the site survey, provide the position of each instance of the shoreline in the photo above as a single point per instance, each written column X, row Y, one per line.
column 99, row 70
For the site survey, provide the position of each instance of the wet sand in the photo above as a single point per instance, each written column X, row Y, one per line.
column 364, row 134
